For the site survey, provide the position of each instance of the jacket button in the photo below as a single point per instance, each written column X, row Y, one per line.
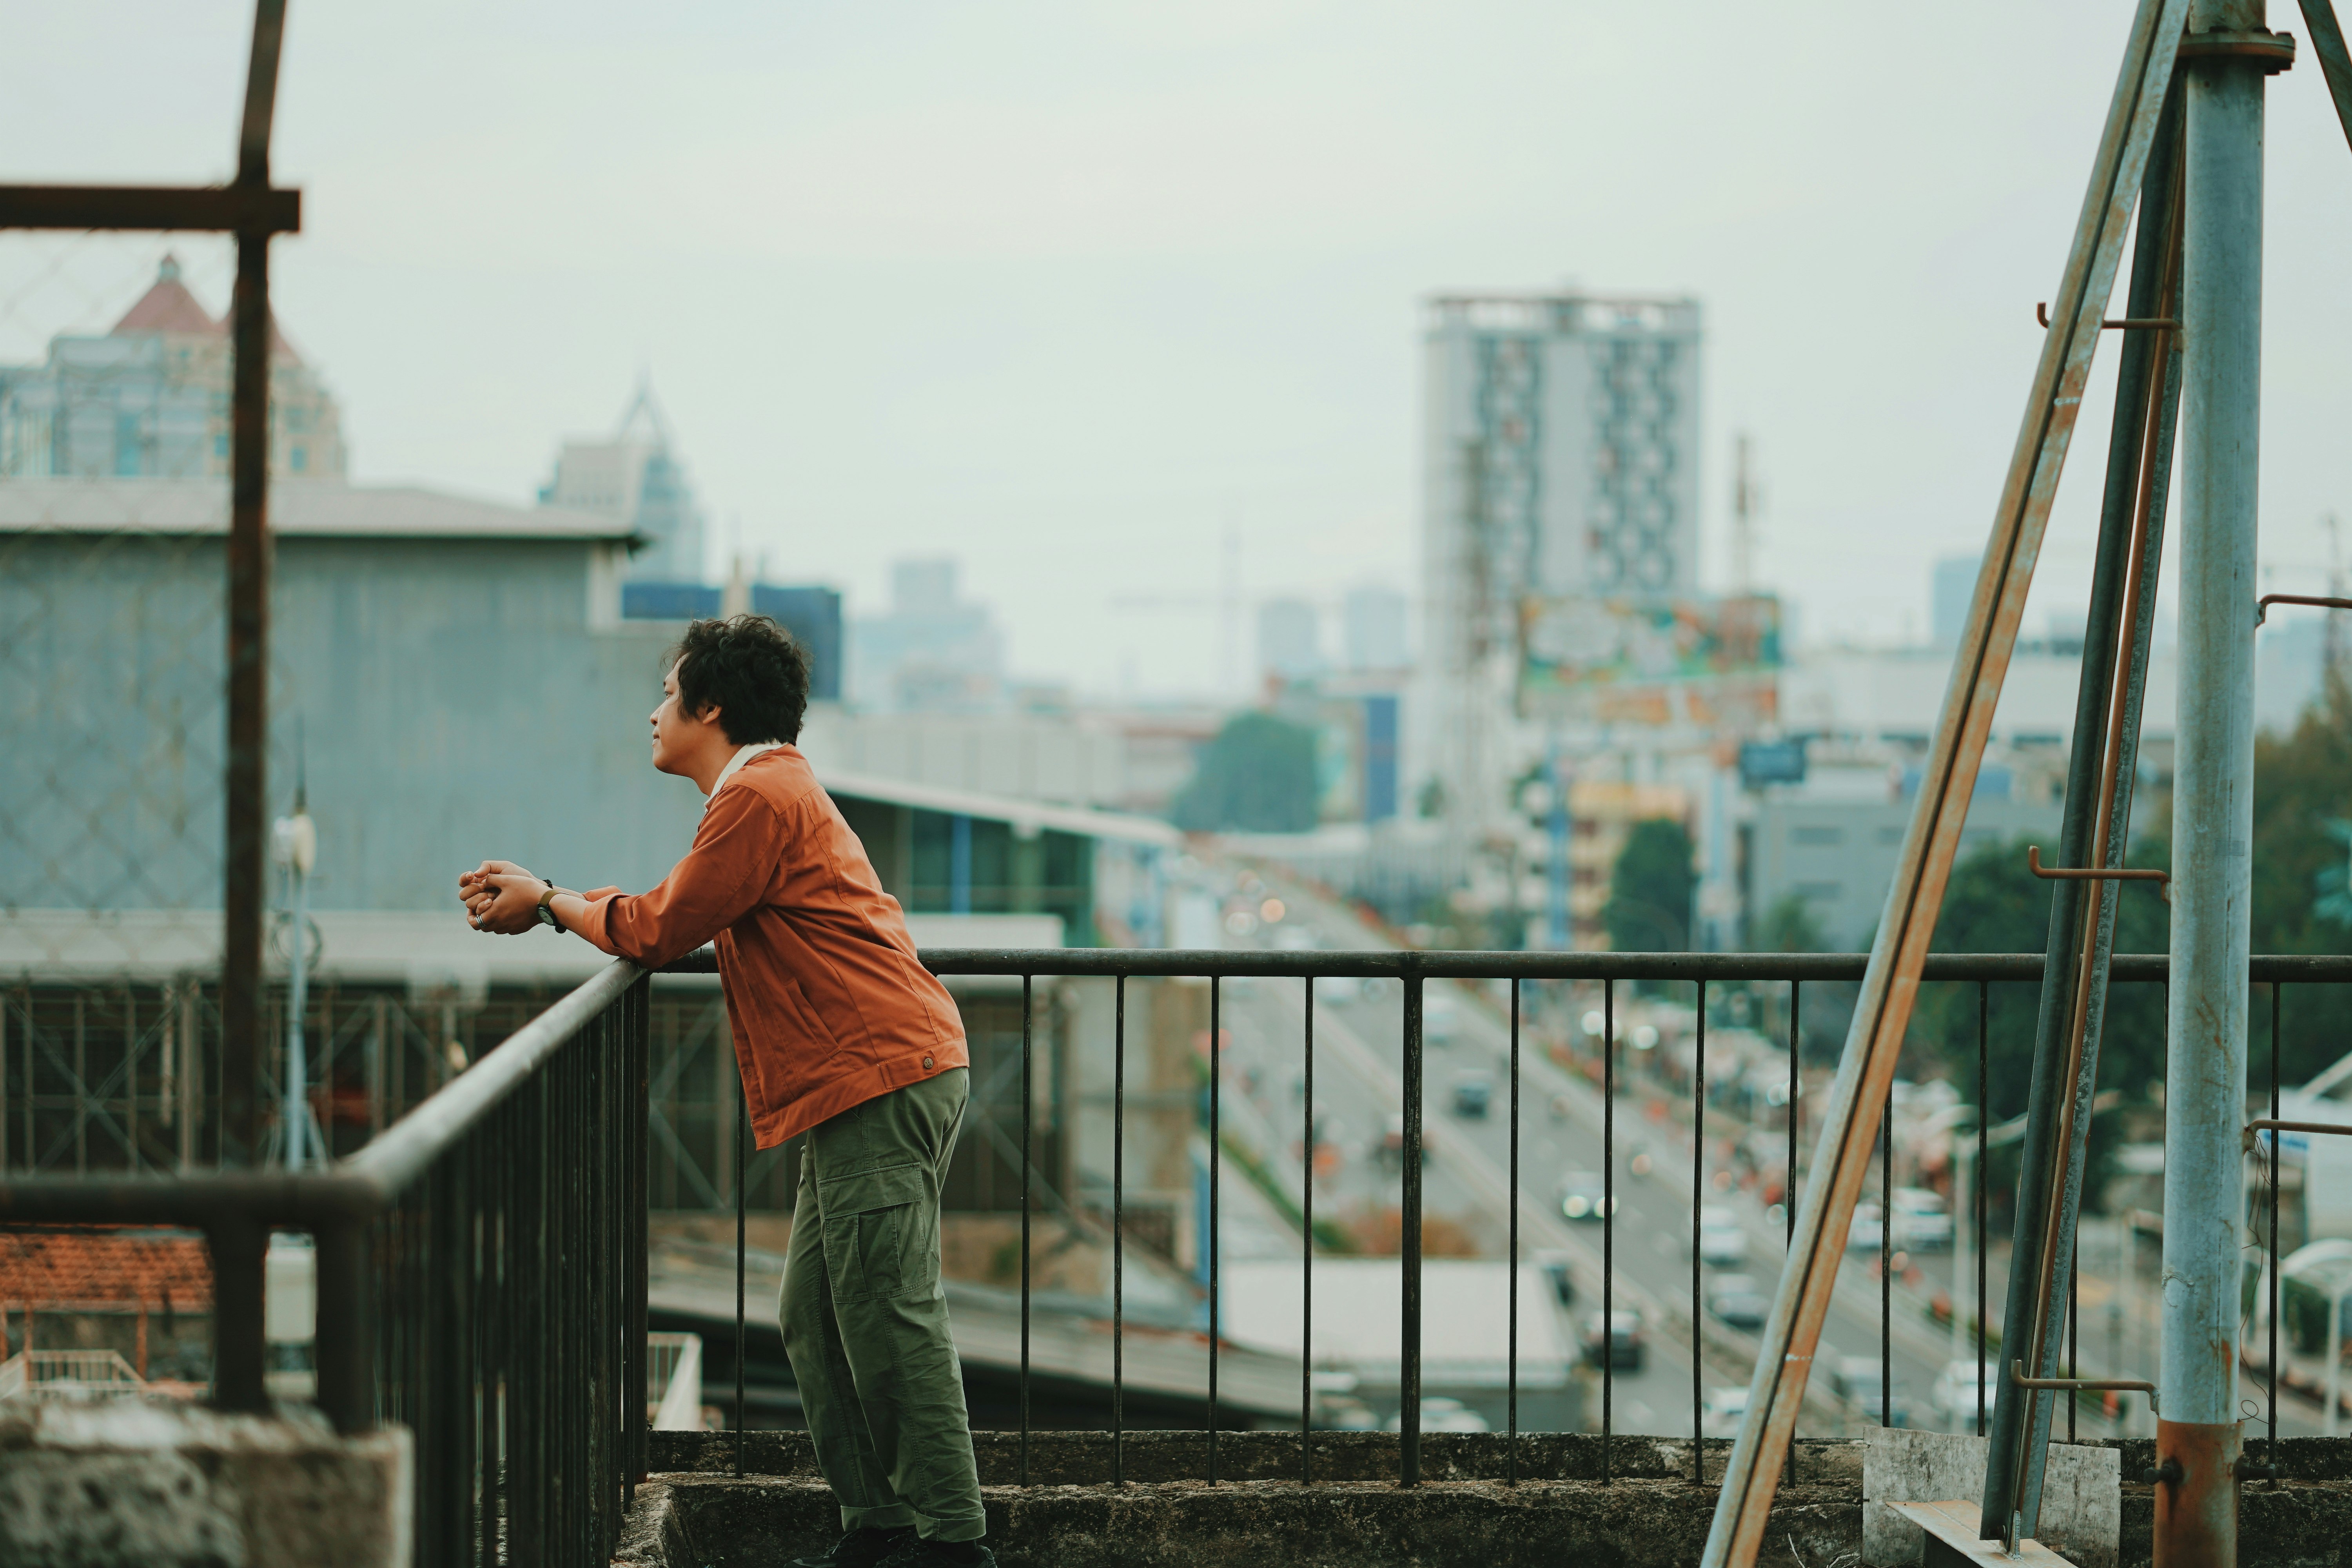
column 926, row 1062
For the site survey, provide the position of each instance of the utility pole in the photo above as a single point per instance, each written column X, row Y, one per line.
column 2198, row 1431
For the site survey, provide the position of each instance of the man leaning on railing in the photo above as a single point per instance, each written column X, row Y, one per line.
column 839, row 1032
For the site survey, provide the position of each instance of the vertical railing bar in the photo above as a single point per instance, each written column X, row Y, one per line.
column 1028, row 1108
column 1216, row 1248
column 1789, row 1181
column 1796, row 1110
column 1409, row 1369
column 2269, row 1448
column 742, row 1134
column 2074, row 1334
column 1119, row 1235
column 1307, row 1250
column 1976, row 1199
column 639, row 1133
column 1698, row 1195
column 1511, row 1371
column 1886, row 1263
column 1608, row 1213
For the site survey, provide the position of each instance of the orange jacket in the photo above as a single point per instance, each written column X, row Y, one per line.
column 829, row 1005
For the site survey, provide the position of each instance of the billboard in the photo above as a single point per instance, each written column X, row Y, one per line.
column 1711, row 662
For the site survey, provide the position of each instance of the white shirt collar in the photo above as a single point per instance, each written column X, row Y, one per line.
column 742, row 754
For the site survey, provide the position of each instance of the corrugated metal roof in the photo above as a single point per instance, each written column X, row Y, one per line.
column 1024, row 814
column 298, row 508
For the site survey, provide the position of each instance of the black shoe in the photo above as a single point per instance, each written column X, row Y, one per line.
column 941, row 1555
column 861, row 1549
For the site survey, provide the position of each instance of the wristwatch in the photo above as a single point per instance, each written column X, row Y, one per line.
column 547, row 915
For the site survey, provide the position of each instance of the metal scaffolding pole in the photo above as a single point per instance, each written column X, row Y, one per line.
column 2198, row 1434
column 1883, row 1010
column 2095, row 835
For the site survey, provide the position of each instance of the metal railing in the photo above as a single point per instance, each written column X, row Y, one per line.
column 482, row 1274
column 481, row 1278
column 1415, row 969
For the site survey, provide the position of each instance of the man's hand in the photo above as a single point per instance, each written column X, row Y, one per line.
column 501, row 897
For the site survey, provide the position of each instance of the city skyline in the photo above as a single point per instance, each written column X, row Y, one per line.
column 1161, row 280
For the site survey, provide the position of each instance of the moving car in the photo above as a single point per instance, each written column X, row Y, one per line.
column 1620, row 1347
column 1582, row 1195
column 1955, row 1394
column 1868, row 1229
column 1737, row 1303
column 1859, row 1378
column 1392, row 1142
column 1720, row 1240
column 1440, row 1413
column 1472, row 1093
column 1922, row 1222
column 1441, row 1020
column 1724, row 1410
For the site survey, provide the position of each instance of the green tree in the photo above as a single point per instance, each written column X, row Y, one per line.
column 1650, row 889
column 1256, row 776
column 2302, row 788
column 1790, row 926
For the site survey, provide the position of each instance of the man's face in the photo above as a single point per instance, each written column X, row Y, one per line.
column 679, row 736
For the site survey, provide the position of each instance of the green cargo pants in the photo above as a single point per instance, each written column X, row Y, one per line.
column 866, row 1321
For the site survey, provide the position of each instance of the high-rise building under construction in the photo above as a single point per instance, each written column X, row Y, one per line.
column 1559, row 460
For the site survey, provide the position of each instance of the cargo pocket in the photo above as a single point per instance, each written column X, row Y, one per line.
column 881, row 1234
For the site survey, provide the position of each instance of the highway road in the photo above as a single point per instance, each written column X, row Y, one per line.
column 1358, row 1031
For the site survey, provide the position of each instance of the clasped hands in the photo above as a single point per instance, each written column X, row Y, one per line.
column 501, row 897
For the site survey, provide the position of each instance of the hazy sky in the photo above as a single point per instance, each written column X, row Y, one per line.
column 1070, row 290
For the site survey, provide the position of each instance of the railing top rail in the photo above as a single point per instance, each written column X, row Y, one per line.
column 354, row 1188
column 2022, row 967
column 402, row 1151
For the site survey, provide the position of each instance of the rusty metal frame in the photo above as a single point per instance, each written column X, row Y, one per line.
column 2263, row 606
column 1890, row 986
column 254, row 211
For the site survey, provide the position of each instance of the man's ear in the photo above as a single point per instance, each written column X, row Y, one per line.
column 709, row 714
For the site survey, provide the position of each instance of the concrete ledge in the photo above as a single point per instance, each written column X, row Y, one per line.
column 164, row 1485
column 764, row 1523
column 1084, row 1458
column 1356, row 1515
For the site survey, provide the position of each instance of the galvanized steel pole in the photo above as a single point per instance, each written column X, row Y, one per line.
column 2212, row 817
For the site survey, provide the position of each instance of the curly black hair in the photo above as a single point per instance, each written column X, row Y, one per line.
column 752, row 669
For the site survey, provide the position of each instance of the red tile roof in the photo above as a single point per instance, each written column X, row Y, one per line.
column 169, row 307
column 55, row 1269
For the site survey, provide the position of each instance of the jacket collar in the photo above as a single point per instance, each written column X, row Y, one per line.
column 734, row 764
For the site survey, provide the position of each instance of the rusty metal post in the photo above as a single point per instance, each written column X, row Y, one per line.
column 2095, row 833
column 245, row 891
column 1890, row 983
column 2212, row 817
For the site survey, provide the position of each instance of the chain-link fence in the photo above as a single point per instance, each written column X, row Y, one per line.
column 114, row 413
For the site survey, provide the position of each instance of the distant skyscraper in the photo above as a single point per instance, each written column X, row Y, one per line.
column 933, row 652
column 1559, row 459
column 1289, row 639
column 150, row 400
column 1375, row 629
column 1955, row 584
column 635, row 473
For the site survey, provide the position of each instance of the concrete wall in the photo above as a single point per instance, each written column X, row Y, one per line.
column 1839, row 855
column 453, row 699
